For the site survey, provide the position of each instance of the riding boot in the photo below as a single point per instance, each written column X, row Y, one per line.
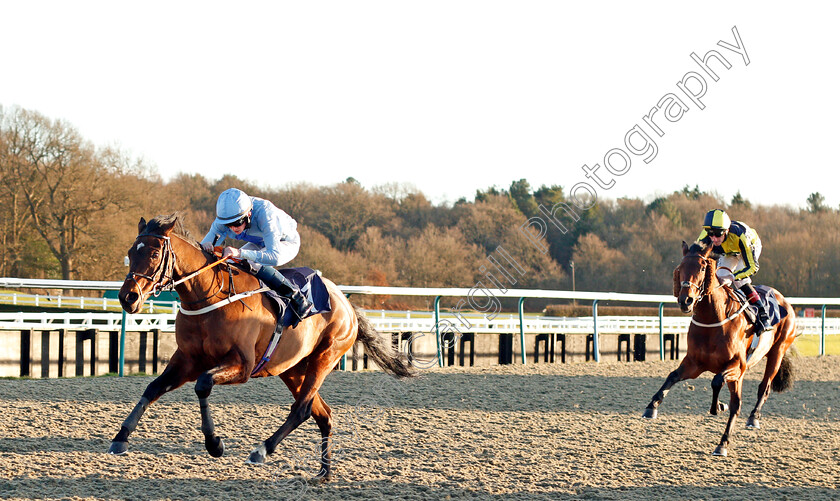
column 762, row 320
column 274, row 279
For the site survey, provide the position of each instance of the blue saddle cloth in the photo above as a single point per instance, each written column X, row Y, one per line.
column 775, row 312
column 311, row 286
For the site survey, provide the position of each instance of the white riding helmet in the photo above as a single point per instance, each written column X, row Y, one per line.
column 232, row 205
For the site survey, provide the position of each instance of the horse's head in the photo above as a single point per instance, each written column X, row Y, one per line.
column 151, row 261
column 693, row 277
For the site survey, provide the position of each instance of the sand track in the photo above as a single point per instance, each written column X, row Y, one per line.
column 536, row 432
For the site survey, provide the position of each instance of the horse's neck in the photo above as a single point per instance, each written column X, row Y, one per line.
column 210, row 283
column 189, row 259
column 717, row 302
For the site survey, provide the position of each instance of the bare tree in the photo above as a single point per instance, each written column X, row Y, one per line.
column 65, row 184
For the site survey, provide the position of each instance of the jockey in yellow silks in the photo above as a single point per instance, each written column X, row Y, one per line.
column 739, row 248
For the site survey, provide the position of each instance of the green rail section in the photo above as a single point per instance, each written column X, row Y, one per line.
column 111, row 288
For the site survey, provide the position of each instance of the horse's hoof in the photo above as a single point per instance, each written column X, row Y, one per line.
column 319, row 479
column 215, row 446
column 650, row 413
column 118, row 448
column 753, row 424
column 720, row 451
column 722, row 407
column 257, row 455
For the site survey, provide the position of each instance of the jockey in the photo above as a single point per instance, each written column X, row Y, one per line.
column 271, row 236
column 739, row 247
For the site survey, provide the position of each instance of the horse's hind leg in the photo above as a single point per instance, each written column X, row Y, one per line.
column 717, row 406
column 307, row 403
column 774, row 361
column 321, row 413
column 172, row 377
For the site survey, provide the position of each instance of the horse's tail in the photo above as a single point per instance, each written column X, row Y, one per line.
column 784, row 377
column 385, row 356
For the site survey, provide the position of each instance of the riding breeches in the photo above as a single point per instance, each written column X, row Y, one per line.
column 252, row 246
column 731, row 262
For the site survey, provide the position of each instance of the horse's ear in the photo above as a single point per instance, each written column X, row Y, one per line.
column 707, row 250
column 167, row 227
column 685, row 248
column 141, row 225
column 677, row 285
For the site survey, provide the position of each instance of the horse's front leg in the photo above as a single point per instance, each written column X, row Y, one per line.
column 686, row 370
column 717, row 406
column 172, row 377
column 734, row 411
column 230, row 373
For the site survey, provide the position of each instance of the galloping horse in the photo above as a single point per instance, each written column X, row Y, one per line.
column 718, row 339
column 221, row 346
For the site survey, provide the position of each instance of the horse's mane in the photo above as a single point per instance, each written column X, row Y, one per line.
column 177, row 221
column 697, row 248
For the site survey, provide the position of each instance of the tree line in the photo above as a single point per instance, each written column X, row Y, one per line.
column 69, row 209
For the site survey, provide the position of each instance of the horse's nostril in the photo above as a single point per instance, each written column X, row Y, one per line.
column 689, row 301
column 131, row 297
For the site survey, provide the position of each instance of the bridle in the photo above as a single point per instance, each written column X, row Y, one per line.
column 703, row 294
column 163, row 272
column 162, row 278
column 702, row 287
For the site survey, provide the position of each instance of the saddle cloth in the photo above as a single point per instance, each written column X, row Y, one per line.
column 775, row 312
column 310, row 285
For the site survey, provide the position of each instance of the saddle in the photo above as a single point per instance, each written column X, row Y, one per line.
column 775, row 312
column 310, row 285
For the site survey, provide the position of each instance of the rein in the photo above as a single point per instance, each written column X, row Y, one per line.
column 195, row 273
column 164, row 272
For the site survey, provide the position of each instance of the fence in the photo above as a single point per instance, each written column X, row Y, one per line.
column 443, row 326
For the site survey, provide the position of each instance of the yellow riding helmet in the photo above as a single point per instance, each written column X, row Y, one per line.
column 717, row 219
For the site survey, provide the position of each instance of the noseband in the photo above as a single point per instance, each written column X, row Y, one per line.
column 162, row 276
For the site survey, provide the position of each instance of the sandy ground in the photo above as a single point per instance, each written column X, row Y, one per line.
column 536, row 432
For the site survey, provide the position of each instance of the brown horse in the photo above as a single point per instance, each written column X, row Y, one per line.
column 221, row 346
column 718, row 339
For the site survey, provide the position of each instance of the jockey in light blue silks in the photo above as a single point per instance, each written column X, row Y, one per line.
column 271, row 238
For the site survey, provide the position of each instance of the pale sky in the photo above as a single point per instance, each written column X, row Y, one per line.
column 450, row 96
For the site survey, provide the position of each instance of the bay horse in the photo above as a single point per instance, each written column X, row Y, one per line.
column 222, row 346
column 718, row 338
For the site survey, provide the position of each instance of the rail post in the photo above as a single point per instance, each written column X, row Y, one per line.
column 343, row 363
column 596, row 350
column 522, row 329
column 122, row 343
column 822, row 333
column 437, row 331
column 661, row 334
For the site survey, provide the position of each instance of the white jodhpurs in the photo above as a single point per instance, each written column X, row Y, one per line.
column 729, row 263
